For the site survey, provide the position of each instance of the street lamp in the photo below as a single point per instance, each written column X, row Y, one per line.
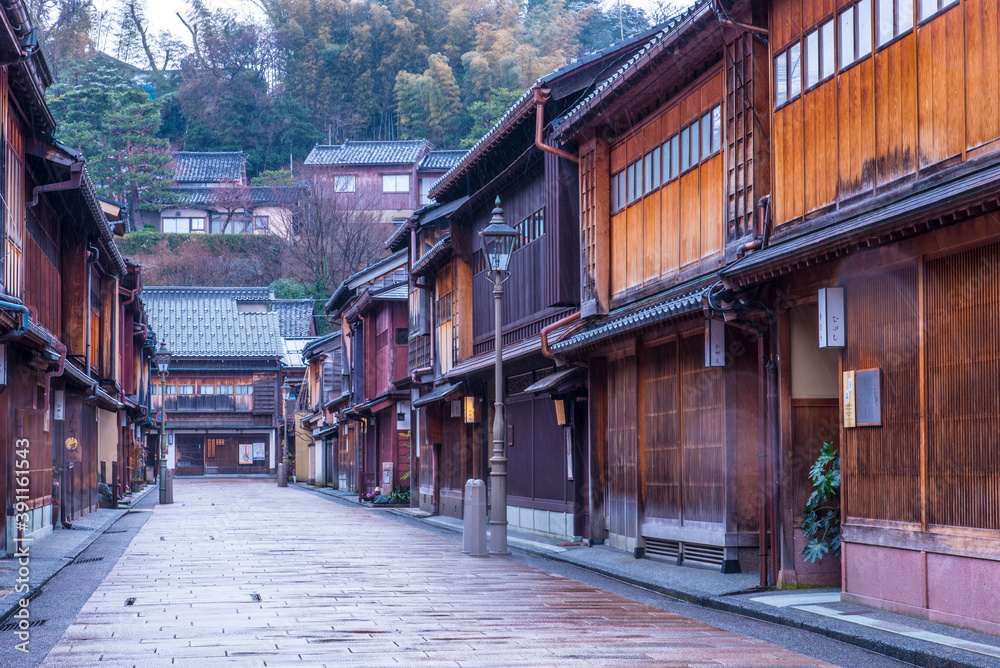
column 498, row 245
column 287, row 394
column 161, row 358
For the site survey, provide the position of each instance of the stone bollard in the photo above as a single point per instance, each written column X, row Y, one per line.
column 474, row 519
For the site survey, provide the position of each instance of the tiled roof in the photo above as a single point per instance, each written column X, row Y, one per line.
column 369, row 153
column 669, row 28
column 669, row 304
column 441, row 159
column 191, row 167
column 259, row 196
column 206, row 322
column 400, row 291
column 294, row 316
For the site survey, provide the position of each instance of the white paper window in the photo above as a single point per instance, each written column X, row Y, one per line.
column 395, row 183
column 344, row 183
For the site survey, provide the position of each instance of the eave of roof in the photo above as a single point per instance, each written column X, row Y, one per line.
column 433, row 258
column 665, row 36
column 675, row 302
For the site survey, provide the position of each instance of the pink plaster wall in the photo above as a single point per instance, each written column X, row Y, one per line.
column 964, row 586
column 884, row 573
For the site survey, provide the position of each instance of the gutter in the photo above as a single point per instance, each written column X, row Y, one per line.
column 548, row 329
column 76, row 173
column 23, row 412
column 16, row 305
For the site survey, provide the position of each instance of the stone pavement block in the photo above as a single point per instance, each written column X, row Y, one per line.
column 341, row 589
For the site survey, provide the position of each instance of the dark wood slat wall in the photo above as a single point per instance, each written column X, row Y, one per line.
column 882, row 464
column 662, row 458
column 963, row 389
column 561, row 264
column 925, row 100
column 622, row 495
column 702, row 422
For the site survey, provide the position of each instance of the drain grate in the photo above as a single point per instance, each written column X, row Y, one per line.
column 255, row 598
column 130, row 601
column 88, row 561
column 118, row 531
column 14, row 626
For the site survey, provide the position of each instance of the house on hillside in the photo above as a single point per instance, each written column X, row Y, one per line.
column 378, row 181
column 452, row 327
column 222, row 397
column 370, row 311
column 74, row 342
column 212, row 196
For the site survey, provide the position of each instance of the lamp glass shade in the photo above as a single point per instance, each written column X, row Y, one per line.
column 498, row 241
column 162, row 358
column 286, row 391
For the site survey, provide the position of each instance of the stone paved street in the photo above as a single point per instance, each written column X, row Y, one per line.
column 343, row 586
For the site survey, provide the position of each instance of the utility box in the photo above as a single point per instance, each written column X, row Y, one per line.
column 386, row 478
column 474, row 519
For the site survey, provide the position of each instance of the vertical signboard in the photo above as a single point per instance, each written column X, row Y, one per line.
column 831, row 318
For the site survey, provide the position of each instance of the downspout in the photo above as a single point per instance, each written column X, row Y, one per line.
column 541, row 97
column 90, row 278
column 732, row 23
column 772, row 462
column 22, row 412
column 762, row 455
column 548, row 329
column 760, row 242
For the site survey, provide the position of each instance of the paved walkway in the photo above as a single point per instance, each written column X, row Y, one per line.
column 246, row 573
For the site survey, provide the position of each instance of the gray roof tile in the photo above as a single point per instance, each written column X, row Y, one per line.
column 206, row 322
column 294, row 316
column 192, row 167
column 259, row 196
column 369, row 153
column 441, row 159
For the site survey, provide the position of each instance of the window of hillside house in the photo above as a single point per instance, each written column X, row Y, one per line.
column 929, row 8
column 344, row 183
column 395, row 183
column 198, row 225
column 895, row 17
column 425, row 190
column 261, row 223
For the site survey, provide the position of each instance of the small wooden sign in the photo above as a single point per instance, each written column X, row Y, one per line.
column 850, row 407
column 863, row 398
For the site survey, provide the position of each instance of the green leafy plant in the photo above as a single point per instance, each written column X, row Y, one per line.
column 400, row 495
column 821, row 514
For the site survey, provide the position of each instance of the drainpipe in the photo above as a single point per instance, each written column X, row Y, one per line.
column 548, row 329
column 762, row 455
column 764, row 210
column 772, row 462
column 16, row 305
column 90, row 278
column 75, row 171
column 733, row 23
column 541, row 97
column 22, row 412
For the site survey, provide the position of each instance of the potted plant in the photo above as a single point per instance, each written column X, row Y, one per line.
column 821, row 514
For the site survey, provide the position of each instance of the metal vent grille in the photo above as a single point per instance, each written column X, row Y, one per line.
column 705, row 555
column 14, row 626
column 88, row 561
column 663, row 549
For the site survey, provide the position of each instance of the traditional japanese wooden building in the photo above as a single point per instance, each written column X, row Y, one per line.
column 884, row 249
column 222, row 394
column 323, row 458
column 452, row 314
column 672, row 158
column 72, row 362
column 370, row 310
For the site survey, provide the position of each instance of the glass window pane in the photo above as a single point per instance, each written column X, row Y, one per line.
column 812, row 58
column 706, row 135
column 695, row 134
column 622, row 176
column 864, row 28
column 716, row 129
column 885, row 21
column 829, row 42
column 631, row 183
column 794, row 70
column 685, row 149
column 675, row 158
column 780, row 79
column 905, row 8
column 927, row 8
column 614, row 192
column 647, row 174
column 654, row 158
column 847, row 38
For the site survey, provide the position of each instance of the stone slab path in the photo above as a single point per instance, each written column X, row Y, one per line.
column 244, row 573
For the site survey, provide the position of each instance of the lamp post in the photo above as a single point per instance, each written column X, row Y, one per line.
column 162, row 360
column 498, row 245
column 286, row 395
